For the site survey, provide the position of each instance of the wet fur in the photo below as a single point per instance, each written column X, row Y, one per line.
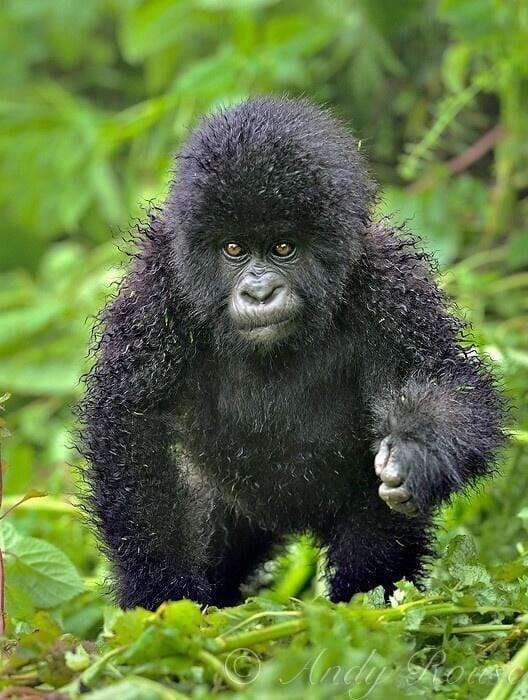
column 203, row 451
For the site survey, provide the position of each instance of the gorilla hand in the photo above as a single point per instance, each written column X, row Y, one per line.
column 393, row 464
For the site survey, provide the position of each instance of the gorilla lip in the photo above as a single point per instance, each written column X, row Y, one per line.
column 265, row 329
column 271, row 324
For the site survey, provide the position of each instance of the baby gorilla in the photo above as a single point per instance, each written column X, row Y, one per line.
column 277, row 362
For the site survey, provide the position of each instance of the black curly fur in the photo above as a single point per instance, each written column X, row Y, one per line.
column 203, row 452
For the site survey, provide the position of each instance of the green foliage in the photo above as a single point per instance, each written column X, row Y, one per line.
column 452, row 641
column 95, row 96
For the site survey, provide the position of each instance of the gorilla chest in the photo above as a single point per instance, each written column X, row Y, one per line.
column 290, row 418
column 279, row 453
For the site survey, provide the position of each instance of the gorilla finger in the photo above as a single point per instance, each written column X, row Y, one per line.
column 382, row 456
column 392, row 474
column 407, row 508
column 394, row 495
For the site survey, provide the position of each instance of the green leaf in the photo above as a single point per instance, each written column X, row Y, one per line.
column 129, row 625
column 77, row 660
column 37, row 569
column 414, row 618
column 183, row 614
column 455, row 66
column 18, row 603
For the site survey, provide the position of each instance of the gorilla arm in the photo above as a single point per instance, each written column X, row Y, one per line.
column 436, row 414
column 145, row 516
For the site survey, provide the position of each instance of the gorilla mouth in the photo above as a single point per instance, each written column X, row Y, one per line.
column 260, row 326
column 266, row 331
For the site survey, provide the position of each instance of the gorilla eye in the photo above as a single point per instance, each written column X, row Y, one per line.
column 233, row 249
column 283, row 250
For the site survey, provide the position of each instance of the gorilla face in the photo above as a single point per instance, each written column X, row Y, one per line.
column 263, row 304
column 257, row 290
column 268, row 219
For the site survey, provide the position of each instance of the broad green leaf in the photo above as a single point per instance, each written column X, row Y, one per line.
column 18, row 603
column 9, row 536
column 38, row 569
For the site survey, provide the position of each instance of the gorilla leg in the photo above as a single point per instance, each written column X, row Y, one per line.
column 371, row 548
column 162, row 553
column 209, row 558
column 236, row 551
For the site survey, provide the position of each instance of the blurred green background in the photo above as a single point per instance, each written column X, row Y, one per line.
column 97, row 95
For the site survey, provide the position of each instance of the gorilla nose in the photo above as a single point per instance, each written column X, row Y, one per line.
column 262, row 292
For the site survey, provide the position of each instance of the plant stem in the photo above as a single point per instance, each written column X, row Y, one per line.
column 47, row 504
column 260, row 616
column 89, row 675
column 512, row 674
column 266, row 634
column 219, row 668
column 467, row 629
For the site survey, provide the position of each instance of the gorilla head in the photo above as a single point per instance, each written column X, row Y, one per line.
column 267, row 214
